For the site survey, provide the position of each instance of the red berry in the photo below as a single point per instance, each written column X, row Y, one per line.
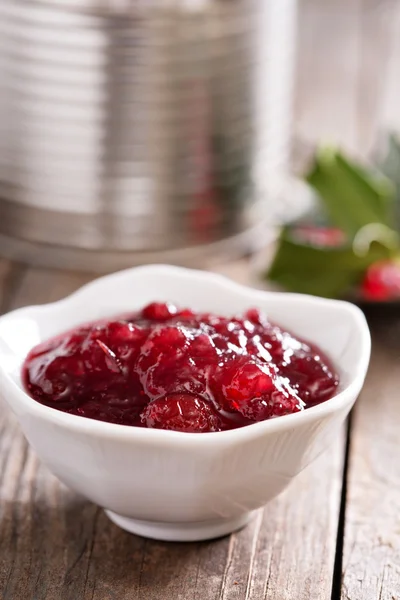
column 243, row 378
column 254, row 389
column 312, row 378
column 159, row 357
column 181, row 412
column 126, row 339
column 186, row 313
column 323, row 237
column 256, row 316
column 382, row 281
column 159, row 311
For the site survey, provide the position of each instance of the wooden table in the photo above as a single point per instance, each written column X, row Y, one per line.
column 339, row 518
column 335, row 533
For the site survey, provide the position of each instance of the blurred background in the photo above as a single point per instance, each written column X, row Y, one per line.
column 206, row 133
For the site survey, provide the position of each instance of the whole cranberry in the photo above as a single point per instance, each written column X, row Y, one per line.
column 160, row 357
column 181, row 412
column 254, row 389
column 255, row 315
column 159, row 311
column 125, row 339
column 382, row 281
column 311, row 377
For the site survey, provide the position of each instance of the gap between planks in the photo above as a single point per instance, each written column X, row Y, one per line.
column 371, row 552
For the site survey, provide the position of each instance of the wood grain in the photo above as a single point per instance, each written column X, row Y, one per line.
column 371, row 561
column 56, row 545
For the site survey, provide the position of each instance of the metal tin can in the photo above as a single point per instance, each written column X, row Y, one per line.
column 131, row 129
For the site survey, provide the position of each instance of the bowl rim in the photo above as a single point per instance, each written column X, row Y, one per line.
column 104, row 429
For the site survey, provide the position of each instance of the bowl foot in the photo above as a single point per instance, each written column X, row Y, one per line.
column 180, row 532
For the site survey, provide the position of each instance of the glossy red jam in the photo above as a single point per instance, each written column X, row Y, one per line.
column 168, row 368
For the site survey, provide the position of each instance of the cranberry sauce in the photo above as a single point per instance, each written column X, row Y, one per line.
column 167, row 368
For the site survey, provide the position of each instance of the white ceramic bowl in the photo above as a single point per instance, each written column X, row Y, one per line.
column 172, row 485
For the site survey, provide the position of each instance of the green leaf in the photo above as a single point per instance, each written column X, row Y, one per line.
column 390, row 165
column 354, row 196
column 329, row 272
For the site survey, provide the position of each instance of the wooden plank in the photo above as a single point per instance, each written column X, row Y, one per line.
column 39, row 286
column 371, row 561
column 54, row 544
column 279, row 551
